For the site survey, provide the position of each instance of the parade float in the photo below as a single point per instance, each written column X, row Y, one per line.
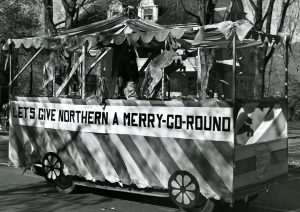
column 164, row 117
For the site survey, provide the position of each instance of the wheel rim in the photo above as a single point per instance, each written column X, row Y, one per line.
column 52, row 166
column 183, row 189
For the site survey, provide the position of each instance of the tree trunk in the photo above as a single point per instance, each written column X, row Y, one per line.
column 50, row 27
column 70, row 8
column 69, row 21
column 207, row 58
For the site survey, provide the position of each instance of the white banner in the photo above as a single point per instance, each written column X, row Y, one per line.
column 204, row 123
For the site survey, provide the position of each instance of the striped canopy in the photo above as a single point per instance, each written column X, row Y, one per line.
column 139, row 33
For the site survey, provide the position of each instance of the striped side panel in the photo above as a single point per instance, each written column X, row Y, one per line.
column 136, row 175
column 140, row 160
column 94, row 147
column 202, row 162
column 255, row 124
column 152, row 158
column 88, row 159
column 52, row 136
column 247, row 168
column 17, row 151
column 115, row 158
column 144, row 161
column 64, row 142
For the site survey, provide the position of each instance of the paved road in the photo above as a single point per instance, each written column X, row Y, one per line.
column 294, row 129
column 3, row 147
column 22, row 193
column 282, row 197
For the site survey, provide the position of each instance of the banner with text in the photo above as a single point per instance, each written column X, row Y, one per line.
column 204, row 123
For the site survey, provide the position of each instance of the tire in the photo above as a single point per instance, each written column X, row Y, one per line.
column 207, row 206
column 65, row 185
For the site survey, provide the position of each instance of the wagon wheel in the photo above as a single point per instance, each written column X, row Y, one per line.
column 185, row 193
column 183, row 189
column 52, row 167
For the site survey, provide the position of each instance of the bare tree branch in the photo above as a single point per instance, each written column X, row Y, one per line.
column 268, row 15
column 292, row 2
column 48, row 8
column 59, row 23
column 295, row 23
column 253, row 4
column 283, row 15
column 190, row 13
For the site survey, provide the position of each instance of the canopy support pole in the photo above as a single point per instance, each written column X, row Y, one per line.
column 53, row 83
column 163, row 85
column 10, row 70
column 199, row 72
column 233, row 65
column 286, row 70
column 83, row 71
column 163, row 80
column 136, row 52
column 27, row 64
column 31, row 80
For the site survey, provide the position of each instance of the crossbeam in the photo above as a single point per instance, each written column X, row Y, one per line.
column 97, row 61
column 63, row 85
column 27, row 64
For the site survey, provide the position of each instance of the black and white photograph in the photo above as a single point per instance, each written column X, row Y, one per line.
column 149, row 105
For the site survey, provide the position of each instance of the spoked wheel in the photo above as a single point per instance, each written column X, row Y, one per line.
column 183, row 189
column 52, row 167
column 185, row 193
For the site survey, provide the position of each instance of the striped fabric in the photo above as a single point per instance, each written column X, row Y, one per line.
column 257, row 122
column 223, row 170
column 143, row 161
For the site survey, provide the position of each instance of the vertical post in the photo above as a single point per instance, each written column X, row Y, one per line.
column 83, row 70
column 10, row 70
column 286, row 88
column 53, row 83
column 199, row 73
column 31, row 80
column 233, row 65
column 163, row 85
column 233, row 79
column 163, row 81
column 169, row 87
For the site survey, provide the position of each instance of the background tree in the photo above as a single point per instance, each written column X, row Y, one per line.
column 205, row 13
column 17, row 20
column 74, row 9
column 266, row 21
